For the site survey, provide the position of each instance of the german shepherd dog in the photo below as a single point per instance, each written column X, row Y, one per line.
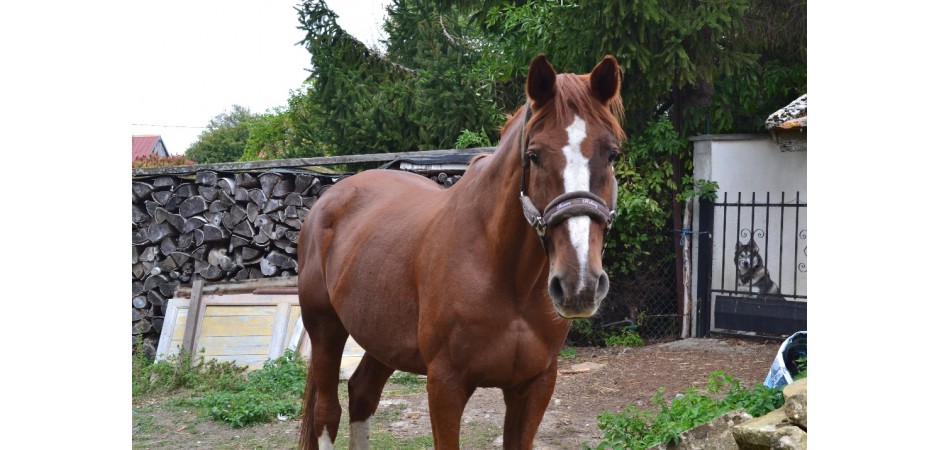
column 751, row 270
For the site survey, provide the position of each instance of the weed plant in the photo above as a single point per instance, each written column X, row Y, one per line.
column 635, row 428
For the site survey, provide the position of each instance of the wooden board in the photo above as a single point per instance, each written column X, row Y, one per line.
column 245, row 328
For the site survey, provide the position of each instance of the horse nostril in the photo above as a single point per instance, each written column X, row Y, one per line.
column 603, row 285
column 555, row 290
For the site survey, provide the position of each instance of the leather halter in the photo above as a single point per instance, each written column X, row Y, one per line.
column 567, row 205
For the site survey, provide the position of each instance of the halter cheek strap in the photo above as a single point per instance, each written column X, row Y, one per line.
column 567, row 205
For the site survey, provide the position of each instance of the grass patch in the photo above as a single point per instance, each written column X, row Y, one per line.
column 636, row 428
column 568, row 353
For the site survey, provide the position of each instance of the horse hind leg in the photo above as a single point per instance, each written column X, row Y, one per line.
column 320, row 421
column 365, row 389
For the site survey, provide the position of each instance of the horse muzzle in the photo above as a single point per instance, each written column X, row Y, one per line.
column 577, row 297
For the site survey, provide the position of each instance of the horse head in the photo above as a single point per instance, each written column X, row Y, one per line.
column 570, row 137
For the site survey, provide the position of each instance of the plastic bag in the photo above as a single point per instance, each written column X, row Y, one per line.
column 785, row 364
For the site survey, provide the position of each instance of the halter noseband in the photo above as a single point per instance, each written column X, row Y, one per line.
column 569, row 204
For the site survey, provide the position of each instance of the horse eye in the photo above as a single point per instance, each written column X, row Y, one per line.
column 613, row 155
column 534, row 157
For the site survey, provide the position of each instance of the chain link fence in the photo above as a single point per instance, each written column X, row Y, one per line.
column 643, row 303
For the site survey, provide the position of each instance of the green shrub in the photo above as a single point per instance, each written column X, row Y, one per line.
column 275, row 389
column 635, row 428
column 625, row 337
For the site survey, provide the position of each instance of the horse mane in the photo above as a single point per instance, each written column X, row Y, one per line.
column 573, row 96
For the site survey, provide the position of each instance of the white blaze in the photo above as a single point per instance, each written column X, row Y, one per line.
column 359, row 435
column 577, row 177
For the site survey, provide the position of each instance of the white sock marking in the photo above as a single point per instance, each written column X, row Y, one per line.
column 359, row 435
column 324, row 442
column 577, row 177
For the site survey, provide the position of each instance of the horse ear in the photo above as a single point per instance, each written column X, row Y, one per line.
column 540, row 83
column 605, row 79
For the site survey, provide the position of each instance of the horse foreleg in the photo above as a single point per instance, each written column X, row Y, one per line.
column 525, row 407
column 447, row 398
column 365, row 389
column 320, row 422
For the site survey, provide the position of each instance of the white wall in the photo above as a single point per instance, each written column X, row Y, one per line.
column 753, row 164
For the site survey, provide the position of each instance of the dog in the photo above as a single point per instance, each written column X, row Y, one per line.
column 751, row 270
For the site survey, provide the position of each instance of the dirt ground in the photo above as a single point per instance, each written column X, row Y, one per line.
column 626, row 376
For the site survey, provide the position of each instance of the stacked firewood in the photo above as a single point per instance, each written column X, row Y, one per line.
column 215, row 225
column 219, row 226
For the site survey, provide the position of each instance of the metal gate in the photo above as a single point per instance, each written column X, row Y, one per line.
column 752, row 265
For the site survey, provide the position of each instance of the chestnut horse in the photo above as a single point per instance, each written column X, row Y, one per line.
column 467, row 285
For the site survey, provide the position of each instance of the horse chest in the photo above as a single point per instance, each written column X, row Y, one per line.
column 505, row 354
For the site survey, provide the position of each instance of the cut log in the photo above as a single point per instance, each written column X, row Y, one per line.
column 153, row 281
column 166, row 182
column 236, row 242
column 244, row 229
column 292, row 235
column 141, row 326
column 158, row 231
column 162, row 215
column 212, row 273
column 251, row 211
column 254, row 273
column 309, row 201
column 314, row 187
column 167, row 246
column 290, row 212
column 173, row 203
column 268, row 181
column 151, row 207
column 185, row 241
column 169, row 288
column 241, row 275
column 302, row 182
column 251, row 255
column 137, row 270
column 161, row 197
column 226, row 199
column 139, row 301
column 138, row 214
column 137, row 288
column 283, row 187
column 228, row 221
column 264, row 224
column 209, row 193
column 214, row 218
column 180, row 258
column 207, row 178
column 148, row 254
column 278, row 259
column 158, row 321
column 293, row 223
column 209, row 233
column 226, row 185
column 226, row 264
column 217, row 206
column 192, row 206
column 272, row 205
column 194, row 223
column 155, row 297
column 279, row 231
column 261, row 239
column 200, row 252
column 246, row 180
column 257, row 197
column 241, row 195
column 137, row 314
column 186, row 190
column 238, row 213
column 141, row 190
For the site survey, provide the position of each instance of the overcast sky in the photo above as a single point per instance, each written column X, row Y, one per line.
column 194, row 60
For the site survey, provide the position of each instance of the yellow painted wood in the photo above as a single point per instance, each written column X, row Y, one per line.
column 180, row 327
column 237, row 326
column 221, row 310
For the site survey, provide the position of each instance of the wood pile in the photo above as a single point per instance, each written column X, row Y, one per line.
column 216, row 225
column 220, row 226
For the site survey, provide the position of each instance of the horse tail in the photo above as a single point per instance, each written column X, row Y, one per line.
column 308, row 435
